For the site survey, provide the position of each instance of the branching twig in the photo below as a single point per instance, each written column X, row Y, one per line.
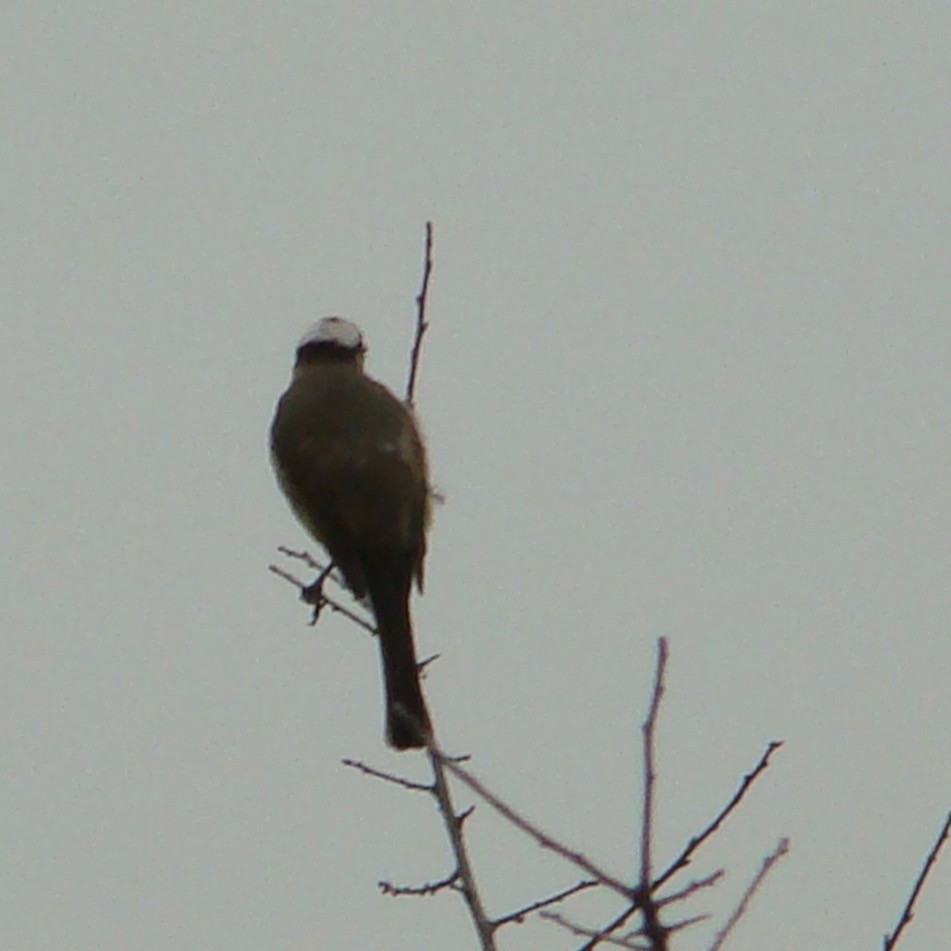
column 462, row 878
column 542, row 838
column 421, row 325
column 713, row 879
column 683, row 859
column 751, row 890
column 583, row 932
column 453, row 822
column 605, row 933
column 908, row 913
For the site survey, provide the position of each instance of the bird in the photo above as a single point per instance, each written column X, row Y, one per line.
column 349, row 457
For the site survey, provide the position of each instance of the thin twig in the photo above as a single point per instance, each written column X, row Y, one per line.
column 683, row 859
column 324, row 571
column 520, row 914
column 324, row 599
column 582, row 932
column 421, row 325
column 426, row 890
column 653, row 928
column 305, row 556
column 713, row 879
column 605, row 933
column 648, row 729
column 542, row 838
column 462, row 878
column 909, row 911
column 751, row 890
column 687, row 923
column 388, row 777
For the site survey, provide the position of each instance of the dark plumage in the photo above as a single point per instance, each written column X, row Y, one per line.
column 350, row 460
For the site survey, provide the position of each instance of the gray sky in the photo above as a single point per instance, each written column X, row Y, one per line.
column 687, row 375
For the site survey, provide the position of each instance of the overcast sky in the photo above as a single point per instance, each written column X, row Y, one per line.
column 687, row 375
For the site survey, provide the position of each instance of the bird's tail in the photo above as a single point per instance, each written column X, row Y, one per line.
column 407, row 720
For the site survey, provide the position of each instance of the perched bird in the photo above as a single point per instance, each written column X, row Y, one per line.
column 351, row 461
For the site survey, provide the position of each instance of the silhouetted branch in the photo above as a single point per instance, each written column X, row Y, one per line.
column 542, row 838
column 694, row 887
column 648, row 729
column 605, row 933
column 426, row 890
column 653, row 929
column 421, row 325
column 313, row 594
column 751, row 890
column 453, row 823
column 388, row 777
column 683, row 859
column 686, row 923
column 624, row 941
column 462, row 878
column 519, row 915
column 890, row 941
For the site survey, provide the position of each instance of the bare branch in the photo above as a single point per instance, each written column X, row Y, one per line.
column 605, row 933
column 653, row 928
column 683, row 859
column 462, row 879
column 520, row 914
column 338, row 608
column 751, row 890
column 388, row 777
column 648, row 729
column 287, row 576
column 421, row 325
column 453, row 822
column 313, row 593
column 908, row 913
column 695, row 886
column 542, row 838
column 305, row 556
column 582, row 932
column 420, row 891
column 687, row 923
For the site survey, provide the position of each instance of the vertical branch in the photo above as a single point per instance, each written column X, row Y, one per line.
column 421, row 324
column 648, row 729
column 653, row 930
column 466, row 877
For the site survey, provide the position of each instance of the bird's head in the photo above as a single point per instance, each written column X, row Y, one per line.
column 332, row 340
